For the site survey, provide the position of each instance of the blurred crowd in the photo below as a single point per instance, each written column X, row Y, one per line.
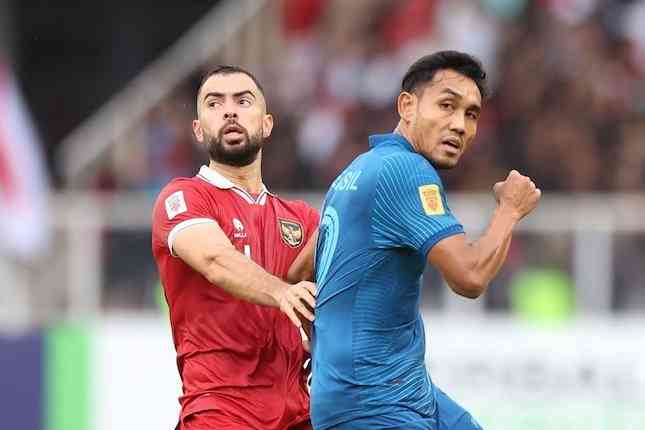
column 567, row 108
column 567, row 105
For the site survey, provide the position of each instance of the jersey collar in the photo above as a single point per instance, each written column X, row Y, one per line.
column 390, row 139
column 215, row 178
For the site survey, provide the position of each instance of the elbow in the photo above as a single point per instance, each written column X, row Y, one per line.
column 213, row 276
column 213, row 265
column 471, row 286
column 212, row 273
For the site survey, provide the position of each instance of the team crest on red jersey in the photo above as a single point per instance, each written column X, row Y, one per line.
column 291, row 232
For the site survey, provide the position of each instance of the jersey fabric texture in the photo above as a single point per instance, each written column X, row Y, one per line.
column 381, row 217
column 241, row 359
column 211, row 419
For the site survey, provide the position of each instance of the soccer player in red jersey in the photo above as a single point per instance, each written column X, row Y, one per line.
column 222, row 243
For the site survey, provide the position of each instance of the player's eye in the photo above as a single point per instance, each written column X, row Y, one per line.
column 473, row 115
column 446, row 105
column 245, row 102
column 213, row 102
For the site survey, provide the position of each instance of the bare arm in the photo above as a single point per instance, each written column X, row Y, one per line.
column 468, row 268
column 302, row 268
column 206, row 249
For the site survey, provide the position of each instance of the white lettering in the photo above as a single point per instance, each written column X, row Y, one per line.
column 347, row 181
column 353, row 186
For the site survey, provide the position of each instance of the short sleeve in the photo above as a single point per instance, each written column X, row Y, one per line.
column 410, row 207
column 179, row 206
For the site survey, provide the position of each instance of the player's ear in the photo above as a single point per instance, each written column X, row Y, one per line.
column 267, row 125
column 197, row 131
column 406, row 105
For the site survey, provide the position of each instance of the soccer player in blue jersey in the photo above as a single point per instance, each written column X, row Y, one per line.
column 384, row 218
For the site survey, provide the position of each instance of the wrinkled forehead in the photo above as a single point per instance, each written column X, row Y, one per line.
column 230, row 83
column 449, row 81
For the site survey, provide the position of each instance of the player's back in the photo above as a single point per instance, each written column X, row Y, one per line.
column 368, row 343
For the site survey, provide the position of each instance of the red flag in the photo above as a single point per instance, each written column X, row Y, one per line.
column 24, row 223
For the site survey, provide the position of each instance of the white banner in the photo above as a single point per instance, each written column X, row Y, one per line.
column 588, row 375
column 509, row 374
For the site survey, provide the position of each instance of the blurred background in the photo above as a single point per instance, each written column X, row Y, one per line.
column 96, row 103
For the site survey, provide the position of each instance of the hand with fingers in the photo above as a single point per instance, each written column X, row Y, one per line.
column 298, row 302
column 517, row 193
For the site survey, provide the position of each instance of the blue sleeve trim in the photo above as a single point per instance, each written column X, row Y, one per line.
column 432, row 241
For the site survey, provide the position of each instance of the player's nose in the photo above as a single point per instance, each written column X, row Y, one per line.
column 458, row 124
column 230, row 115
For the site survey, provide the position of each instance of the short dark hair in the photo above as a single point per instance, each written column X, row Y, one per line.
column 424, row 69
column 228, row 70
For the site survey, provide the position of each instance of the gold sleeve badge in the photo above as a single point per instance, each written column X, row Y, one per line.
column 431, row 199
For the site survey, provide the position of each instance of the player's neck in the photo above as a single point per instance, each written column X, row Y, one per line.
column 405, row 132
column 249, row 178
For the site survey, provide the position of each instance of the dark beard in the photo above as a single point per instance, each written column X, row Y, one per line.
column 238, row 156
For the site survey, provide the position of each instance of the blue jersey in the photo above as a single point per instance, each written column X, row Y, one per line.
column 380, row 219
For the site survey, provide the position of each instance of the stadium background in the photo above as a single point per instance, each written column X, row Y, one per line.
column 95, row 108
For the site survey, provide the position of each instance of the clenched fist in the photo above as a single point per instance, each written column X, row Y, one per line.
column 518, row 194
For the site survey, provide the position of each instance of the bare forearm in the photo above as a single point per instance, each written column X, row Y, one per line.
column 241, row 277
column 470, row 267
column 491, row 248
column 206, row 249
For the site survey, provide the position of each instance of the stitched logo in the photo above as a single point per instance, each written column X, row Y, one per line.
column 239, row 229
column 175, row 204
column 291, row 232
column 431, row 199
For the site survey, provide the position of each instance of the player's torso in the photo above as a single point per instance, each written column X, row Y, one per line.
column 233, row 355
column 367, row 304
column 271, row 234
column 207, row 319
column 348, row 256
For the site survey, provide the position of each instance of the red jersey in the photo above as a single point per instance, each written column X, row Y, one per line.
column 233, row 356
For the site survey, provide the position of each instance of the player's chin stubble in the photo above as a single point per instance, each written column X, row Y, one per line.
column 443, row 162
column 239, row 155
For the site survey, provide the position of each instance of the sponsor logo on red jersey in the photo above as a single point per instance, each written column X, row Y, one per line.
column 239, row 229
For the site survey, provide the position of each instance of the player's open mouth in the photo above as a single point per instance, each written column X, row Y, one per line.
column 233, row 128
column 233, row 133
column 453, row 142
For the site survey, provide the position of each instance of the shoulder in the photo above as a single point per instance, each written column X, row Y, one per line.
column 193, row 187
column 402, row 166
column 180, row 184
column 296, row 210
column 180, row 194
column 407, row 159
column 298, row 207
column 289, row 211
